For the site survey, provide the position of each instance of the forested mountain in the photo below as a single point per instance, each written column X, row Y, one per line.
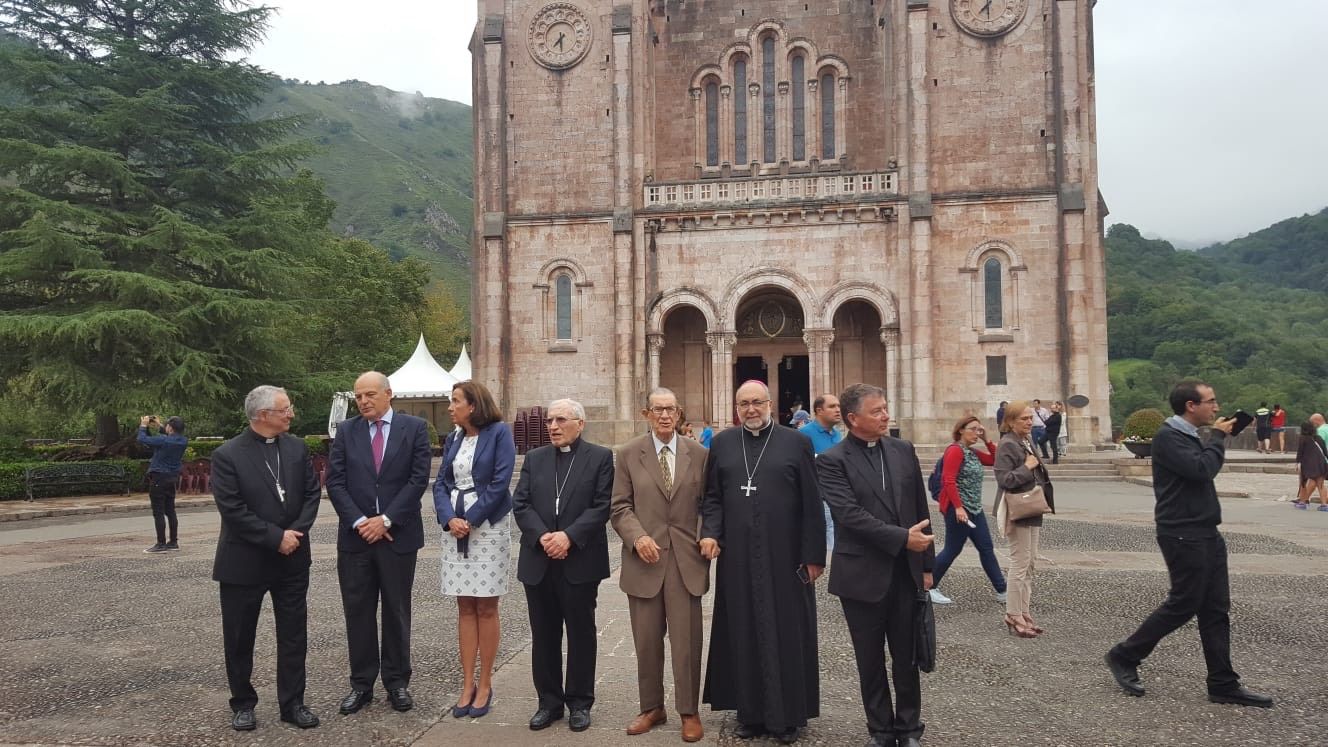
column 397, row 165
column 1250, row 316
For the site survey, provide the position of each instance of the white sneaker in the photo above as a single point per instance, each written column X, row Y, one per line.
column 1002, row 596
column 938, row 598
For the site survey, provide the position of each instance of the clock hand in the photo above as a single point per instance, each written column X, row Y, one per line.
column 986, row 9
column 562, row 36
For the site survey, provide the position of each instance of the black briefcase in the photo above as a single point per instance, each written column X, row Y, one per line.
column 924, row 647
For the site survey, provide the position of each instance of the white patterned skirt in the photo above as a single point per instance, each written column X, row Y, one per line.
column 483, row 572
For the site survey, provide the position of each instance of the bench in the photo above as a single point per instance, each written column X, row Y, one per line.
column 75, row 474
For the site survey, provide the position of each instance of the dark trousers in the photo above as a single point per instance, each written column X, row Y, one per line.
column 161, row 491
column 1199, row 587
column 554, row 603
column 240, row 605
column 367, row 578
column 956, row 534
column 872, row 625
column 1054, row 438
column 1040, row 439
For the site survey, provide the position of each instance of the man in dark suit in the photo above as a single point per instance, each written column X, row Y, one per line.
column 267, row 494
column 883, row 558
column 561, row 505
column 377, row 471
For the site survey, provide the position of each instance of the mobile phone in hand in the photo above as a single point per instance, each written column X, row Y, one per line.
column 1242, row 419
column 802, row 575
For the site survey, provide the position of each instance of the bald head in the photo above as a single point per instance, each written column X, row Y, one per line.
column 373, row 395
column 1317, row 419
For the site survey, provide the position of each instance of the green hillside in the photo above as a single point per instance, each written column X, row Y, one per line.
column 1248, row 316
column 398, row 166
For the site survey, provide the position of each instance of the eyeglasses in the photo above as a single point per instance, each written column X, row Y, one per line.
column 747, row 403
column 973, row 427
column 670, row 410
column 558, row 420
column 288, row 409
column 1209, row 401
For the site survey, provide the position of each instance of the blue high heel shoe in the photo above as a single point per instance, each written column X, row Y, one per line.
column 477, row 711
column 462, row 711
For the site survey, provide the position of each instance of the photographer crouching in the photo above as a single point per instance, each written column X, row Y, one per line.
column 164, row 475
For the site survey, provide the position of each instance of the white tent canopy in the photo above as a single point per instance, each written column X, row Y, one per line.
column 461, row 371
column 421, row 378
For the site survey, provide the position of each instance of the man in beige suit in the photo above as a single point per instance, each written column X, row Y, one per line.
column 656, row 508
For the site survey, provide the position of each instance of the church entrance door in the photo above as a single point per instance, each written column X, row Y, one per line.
column 793, row 380
column 770, row 348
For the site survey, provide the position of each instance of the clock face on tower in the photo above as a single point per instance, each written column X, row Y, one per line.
column 560, row 36
column 988, row 17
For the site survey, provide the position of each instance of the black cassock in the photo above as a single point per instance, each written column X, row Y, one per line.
column 763, row 660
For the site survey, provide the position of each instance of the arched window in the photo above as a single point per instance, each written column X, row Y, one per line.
column 991, row 280
column 712, row 123
column 828, row 117
column 563, row 291
column 768, row 98
column 740, row 112
column 799, row 108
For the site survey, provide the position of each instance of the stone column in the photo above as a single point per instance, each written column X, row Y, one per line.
column 721, row 370
column 654, row 344
column 818, row 343
column 772, row 381
column 890, row 339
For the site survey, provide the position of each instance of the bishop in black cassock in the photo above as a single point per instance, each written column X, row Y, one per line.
column 762, row 509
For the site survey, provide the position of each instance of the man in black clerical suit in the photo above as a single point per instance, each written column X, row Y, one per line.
column 762, row 518
column 377, row 471
column 561, row 504
column 883, row 558
column 267, row 494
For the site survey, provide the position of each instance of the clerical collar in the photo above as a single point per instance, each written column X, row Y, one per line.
column 261, row 438
column 672, row 443
column 863, row 443
column 570, row 447
column 757, row 433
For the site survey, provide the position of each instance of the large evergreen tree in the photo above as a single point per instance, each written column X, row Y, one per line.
column 155, row 250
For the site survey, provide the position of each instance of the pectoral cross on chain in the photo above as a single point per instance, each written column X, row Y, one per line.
column 749, row 488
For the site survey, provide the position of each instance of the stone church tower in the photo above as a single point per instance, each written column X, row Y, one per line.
column 692, row 193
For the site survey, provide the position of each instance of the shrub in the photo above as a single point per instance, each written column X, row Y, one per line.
column 317, row 445
column 12, row 484
column 1141, row 425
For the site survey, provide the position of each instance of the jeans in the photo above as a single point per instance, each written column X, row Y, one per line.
column 829, row 529
column 1040, row 439
column 956, row 534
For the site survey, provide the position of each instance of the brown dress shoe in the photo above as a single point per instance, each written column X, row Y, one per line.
column 646, row 721
column 691, row 728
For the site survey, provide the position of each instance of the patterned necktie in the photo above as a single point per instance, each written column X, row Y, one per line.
column 664, row 467
column 378, row 445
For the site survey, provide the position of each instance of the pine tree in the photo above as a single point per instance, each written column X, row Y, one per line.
column 154, row 246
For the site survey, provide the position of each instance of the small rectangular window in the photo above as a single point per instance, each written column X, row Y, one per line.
column 723, row 190
column 688, row 192
column 705, row 192
column 652, row 194
column 996, row 370
column 671, row 194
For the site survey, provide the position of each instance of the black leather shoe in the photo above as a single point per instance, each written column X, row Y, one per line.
column 789, row 735
column 910, row 742
column 749, row 731
column 1241, row 696
column 355, row 701
column 1125, row 675
column 881, row 741
column 544, row 717
column 400, row 699
column 301, row 716
column 579, row 720
column 244, row 720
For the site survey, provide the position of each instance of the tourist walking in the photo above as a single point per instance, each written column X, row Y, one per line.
column 1020, row 472
column 961, row 505
column 473, row 502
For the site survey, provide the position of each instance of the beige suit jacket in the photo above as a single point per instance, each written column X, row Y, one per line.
column 640, row 507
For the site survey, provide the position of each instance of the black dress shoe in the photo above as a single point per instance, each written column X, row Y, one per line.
column 356, row 700
column 400, row 699
column 579, row 720
column 1126, row 675
column 749, row 731
column 301, row 716
column 881, row 741
column 789, row 735
column 910, row 742
column 1241, row 696
column 544, row 717
column 244, row 720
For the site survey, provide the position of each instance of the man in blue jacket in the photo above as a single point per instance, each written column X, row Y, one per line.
column 1187, row 514
column 164, row 475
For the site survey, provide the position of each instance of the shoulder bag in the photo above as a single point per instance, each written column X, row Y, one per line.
column 1029, row 504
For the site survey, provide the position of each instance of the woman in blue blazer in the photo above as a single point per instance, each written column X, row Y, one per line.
column 473, row 500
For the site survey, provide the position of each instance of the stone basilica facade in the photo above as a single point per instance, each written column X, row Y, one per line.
column 692, row 193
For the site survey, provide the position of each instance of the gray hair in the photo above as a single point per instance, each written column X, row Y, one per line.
column 578, row 411
column 660, row 391
column 262, row 397
column 850, row 401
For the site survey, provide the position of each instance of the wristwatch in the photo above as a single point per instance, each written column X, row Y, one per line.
column 387, row 523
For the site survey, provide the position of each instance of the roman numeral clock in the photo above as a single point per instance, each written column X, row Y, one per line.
column 560, row 36
column 988, row 17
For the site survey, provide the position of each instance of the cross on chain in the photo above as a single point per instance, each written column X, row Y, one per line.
column 749, row 488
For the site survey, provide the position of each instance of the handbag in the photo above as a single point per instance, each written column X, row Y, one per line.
column 924, row 649
column 1029, row 504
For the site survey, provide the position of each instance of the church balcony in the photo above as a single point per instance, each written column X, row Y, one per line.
column 712, row 193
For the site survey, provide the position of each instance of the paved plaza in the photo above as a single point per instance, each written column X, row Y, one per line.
column 104, row 645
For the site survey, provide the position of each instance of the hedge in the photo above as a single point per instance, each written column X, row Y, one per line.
column 13, row 488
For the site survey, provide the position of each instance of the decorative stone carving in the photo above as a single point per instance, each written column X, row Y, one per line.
column 560, row 36
column 654, row 343
column 818, row 340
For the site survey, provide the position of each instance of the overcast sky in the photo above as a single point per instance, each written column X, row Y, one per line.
column 1212, row 114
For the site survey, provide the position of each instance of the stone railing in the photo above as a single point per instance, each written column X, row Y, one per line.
column 674, row 195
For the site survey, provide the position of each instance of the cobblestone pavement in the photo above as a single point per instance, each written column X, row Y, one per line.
column 106, row 645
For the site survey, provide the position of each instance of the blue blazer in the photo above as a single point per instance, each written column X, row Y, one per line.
column 354, row 487
column 495, row 458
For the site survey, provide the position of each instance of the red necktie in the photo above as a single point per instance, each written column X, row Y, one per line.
column 378, row 445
